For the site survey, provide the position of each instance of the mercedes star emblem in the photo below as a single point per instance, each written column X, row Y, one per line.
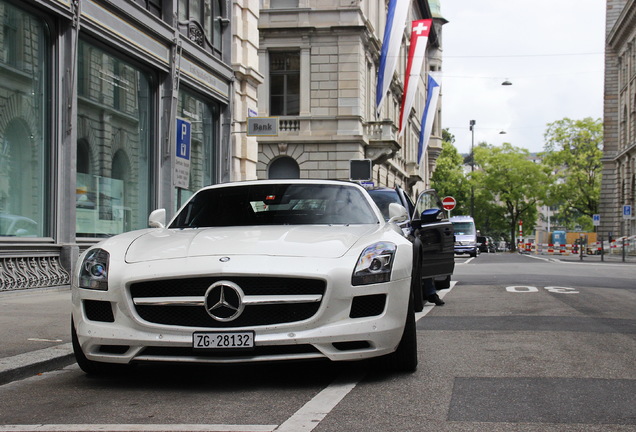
column 224, row 301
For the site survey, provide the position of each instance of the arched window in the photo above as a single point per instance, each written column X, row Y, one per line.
column 284, row 168
column 83, row 157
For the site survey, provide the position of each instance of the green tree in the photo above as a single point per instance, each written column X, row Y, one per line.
column 508, row 185
column 449, row 178
column 573, row 152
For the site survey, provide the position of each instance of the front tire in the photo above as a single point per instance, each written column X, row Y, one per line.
column 416, row 282
column 90, row 367
column 404, row 359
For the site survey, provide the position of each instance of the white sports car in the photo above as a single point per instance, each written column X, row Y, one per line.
column 251, row 271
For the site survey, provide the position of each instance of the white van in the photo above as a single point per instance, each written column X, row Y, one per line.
column 465, row 235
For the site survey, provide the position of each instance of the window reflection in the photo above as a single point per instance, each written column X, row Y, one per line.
column 202, row 22
column 203, row 117
column 24, row 66
column 113, row 164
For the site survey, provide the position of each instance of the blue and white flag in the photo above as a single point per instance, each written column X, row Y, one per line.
column 429, row 116
column 393, row 33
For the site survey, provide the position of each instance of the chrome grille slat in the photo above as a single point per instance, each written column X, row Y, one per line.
column 248, row 300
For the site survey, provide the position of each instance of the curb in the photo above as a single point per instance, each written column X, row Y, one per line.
column 32, row 363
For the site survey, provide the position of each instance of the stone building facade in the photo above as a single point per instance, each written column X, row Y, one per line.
column 619, row 152
column 101, row 100
column 93, row 96
column 320, row 62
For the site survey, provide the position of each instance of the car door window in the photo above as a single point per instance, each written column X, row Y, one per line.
column 427, row 200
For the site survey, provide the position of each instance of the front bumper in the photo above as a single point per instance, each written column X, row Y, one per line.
column 466, row 249
column 350, row 322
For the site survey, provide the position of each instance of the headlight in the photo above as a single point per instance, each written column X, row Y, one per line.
column 94, row 270
column 374, row 264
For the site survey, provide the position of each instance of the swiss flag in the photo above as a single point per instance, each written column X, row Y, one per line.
column 420, row 30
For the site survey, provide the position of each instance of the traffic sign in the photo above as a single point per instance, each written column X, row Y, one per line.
column 182, row 161
column 596, row 219
column 360, row 170
column 449, row 203
column 627, row 212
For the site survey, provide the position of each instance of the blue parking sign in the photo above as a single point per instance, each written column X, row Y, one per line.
column 183, row 139
column 627, row 211
column 181, row 177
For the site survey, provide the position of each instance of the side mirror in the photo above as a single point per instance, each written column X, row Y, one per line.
column 428, row 216
column 397, row 213
column 157, row 219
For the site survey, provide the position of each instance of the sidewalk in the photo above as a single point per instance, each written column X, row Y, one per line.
column 36, row 332
column 600, row 259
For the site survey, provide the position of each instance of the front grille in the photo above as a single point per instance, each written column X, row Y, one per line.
column 253, row 314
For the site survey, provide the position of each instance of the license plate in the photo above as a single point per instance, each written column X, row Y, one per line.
column 223, row 340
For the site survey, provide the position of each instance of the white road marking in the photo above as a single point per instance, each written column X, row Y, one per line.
column 312, row 413
column 136, row 428
column 44, row 340
column 429, row 306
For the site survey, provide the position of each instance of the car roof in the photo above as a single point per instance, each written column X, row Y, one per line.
column 281, row 181
column 461, row 218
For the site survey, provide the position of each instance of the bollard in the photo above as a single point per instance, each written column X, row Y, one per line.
column 623, row 249
column 602, row 250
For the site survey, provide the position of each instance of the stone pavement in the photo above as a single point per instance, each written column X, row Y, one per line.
column 35, row 325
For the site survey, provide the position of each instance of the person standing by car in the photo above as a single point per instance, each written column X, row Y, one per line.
column 430, row 293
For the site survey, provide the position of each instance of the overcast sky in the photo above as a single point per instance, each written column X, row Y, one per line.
column 551, row 51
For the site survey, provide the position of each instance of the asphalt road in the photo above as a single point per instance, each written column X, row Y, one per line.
column 522, row 344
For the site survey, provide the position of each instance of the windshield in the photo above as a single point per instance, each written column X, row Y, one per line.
column 464, row 228
column 276, row 204
column 383, row 198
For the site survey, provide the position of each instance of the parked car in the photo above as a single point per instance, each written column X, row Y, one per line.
column 465, row 235
column 431, row 233
column 248, row 272
column 17, row 226
column 485, row 244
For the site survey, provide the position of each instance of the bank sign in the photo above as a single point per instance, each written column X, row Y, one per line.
column 262, row 126
column 182, row 160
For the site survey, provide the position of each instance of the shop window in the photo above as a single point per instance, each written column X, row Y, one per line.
column 114, row 144
column 203, row 117
column 202, row 21
column 284, row 83
column 24, row 155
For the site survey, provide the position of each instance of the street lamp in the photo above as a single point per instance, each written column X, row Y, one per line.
column 472, row 167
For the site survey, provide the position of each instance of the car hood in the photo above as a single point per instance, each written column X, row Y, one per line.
column 290, row 241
